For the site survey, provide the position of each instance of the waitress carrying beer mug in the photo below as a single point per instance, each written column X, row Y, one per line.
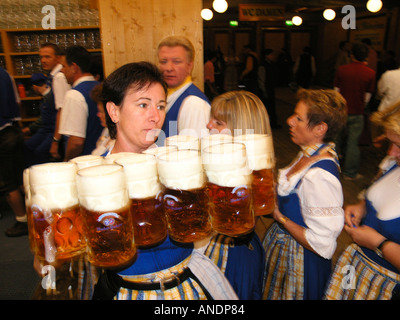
column 135, row 99
column 242, row 116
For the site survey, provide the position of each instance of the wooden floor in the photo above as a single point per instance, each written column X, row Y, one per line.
column 285, row 151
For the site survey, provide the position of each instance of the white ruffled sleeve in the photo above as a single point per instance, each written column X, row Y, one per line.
column 321, row 197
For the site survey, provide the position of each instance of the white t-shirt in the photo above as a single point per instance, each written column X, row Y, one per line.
column 73, row 120
column 194, row 113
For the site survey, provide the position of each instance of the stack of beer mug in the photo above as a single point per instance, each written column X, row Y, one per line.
column 187, row 189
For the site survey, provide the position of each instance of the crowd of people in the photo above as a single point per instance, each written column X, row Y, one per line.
column 140, row 104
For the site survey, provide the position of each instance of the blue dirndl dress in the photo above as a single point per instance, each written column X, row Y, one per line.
column 292, row 271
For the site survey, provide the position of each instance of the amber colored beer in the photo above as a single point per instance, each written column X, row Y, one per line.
column 261, row 160
column 54, row 214
column 149, row 223
column 61, row 235
column 109, row 236
column 263, row 192
column 185, row 203
column 229, row 189
column 105, row 208
column 187, row 216
column 227, row 206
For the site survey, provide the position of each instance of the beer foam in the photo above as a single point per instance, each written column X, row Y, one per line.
column 183, row 142
column 89, row 160
column 102, row 188
column 226, row 164
column 114, row 156
column 181, row 169
column 160, row 150
column 52, row 185
column 215, row 139
column 27, row 188
column 259, row 150
column 141, row 175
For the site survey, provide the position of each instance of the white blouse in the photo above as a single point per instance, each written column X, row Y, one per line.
column 321, row 201
column 384, row 193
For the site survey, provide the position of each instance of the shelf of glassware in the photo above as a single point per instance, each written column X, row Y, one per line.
column 21, row 46
column 20, row 56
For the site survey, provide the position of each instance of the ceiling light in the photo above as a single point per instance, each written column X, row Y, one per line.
column 329, row 14
column 220, row 6
column 297, row 20
column 374, row 5
column 206, row 14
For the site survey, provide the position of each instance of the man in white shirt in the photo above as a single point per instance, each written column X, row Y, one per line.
column 79, row 121
column 37, row 148
column 188, row 109
column 388, row 88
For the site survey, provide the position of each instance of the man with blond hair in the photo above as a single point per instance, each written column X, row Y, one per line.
column 188, row 109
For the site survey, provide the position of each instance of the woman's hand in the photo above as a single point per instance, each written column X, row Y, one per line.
column 353, row 214
column 365, row 236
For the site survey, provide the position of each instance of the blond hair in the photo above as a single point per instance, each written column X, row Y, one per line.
column 174, row 41
column 389, row 119
column 242, row 111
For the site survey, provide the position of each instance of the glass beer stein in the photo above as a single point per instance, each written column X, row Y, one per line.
column 110, row 159
column 28, row 201
column 215, row 139
column 261, row 160
column 144, row 188
column 184, row 199
column 86, row 161
column 105, row 209
column 160, row 150
column 183, row 142
column 55, row 216
column 229, row 189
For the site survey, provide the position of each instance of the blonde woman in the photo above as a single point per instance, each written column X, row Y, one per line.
column 238, row 112
column 240, row 258
column 369, row 268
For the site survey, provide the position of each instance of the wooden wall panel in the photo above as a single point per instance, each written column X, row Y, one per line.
column 131, row 30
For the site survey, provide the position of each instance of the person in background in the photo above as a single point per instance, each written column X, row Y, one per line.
column 372, row 60
column 188, row 108
column 268, row 76
column 343, row 56
column 356, row 83
column 304, row 69
column 11, row 154
column 309, row 216
column 38, row 147
column 248, row 77
column 241, row 258
column 135, row 99
column 209, row 75
column 373, row 260
column 79, row 121
column 104, row 143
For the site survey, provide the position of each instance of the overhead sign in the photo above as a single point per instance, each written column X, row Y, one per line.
column 261, row 12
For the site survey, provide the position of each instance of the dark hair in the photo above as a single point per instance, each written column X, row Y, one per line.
column 136, row 76
column 80, row 56
column 360, row 51
column 56, row 48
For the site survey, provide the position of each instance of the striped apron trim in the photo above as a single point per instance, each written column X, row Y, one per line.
column 187, row 290
column 217, row 250
column 356, row 277
column 285, row 272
